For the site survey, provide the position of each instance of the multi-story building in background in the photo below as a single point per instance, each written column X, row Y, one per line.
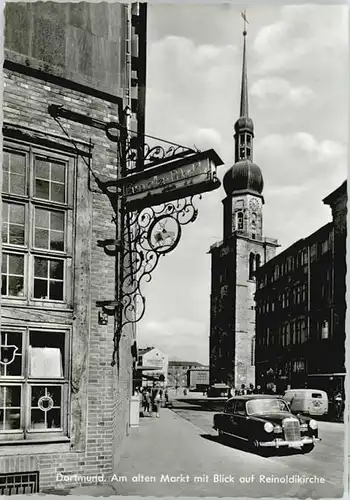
column 236, row 258
column 63, row 407
column 157, row 362
column 198, row 378
column 177, row 372
column 300, row 307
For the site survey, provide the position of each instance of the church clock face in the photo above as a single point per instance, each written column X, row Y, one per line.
column 254, row 204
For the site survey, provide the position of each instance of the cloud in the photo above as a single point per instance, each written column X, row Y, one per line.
column 267, row 89
column 298, row 76
column 301, row 35
column 299, row 159
column 179, row 338
column 202, row 138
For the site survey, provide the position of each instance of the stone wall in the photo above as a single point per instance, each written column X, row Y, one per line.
column 78, row 41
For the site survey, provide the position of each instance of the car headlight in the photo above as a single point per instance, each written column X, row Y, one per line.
column 268, row 427
column 313, row 424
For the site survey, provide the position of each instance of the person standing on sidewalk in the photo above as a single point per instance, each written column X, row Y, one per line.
column 146, row 402
column 156, row 401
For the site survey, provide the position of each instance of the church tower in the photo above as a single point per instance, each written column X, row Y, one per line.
column 236, row 258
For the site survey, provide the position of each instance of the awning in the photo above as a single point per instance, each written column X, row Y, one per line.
column 146, row 368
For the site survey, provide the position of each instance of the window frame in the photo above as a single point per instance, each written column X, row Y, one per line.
column 26, row 382
column 31, row 203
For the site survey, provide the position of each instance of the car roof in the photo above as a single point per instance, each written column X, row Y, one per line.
column 304, row 390
column 248, row 397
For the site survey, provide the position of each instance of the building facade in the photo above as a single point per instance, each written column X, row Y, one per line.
column 63, row 407
column 236, row 258
column 198, row 378
column 158, row 362
column 177, row 372
column 300, row 306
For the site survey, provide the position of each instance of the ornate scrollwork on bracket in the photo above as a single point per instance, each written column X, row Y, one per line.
column 150, row 234
column 154, row 154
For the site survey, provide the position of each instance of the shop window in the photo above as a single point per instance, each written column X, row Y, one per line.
column 36, row 225
column 33, row 384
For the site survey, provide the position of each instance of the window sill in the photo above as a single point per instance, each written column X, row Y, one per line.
column 37, row 447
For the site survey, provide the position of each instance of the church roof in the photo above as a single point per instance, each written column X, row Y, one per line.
column 244, row 175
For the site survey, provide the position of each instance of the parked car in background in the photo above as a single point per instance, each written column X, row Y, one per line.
column 265, row 421
column 313, row 402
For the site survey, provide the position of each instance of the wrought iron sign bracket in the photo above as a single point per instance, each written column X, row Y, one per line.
column 153, row 204
column 111, row 247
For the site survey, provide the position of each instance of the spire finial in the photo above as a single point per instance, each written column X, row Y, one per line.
column 244, row 16
column 244, row 89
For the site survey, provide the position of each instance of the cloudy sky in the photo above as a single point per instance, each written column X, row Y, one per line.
column 298, row 99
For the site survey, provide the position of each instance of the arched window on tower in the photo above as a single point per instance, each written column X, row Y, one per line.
column 253, row 221
column 251, row 265
column 239, row 221
column 257, row 261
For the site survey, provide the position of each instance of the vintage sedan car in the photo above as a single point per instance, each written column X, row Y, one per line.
column 265, row 421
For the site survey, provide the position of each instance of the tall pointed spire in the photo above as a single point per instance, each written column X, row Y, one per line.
column 244, row 87
column 244, row 127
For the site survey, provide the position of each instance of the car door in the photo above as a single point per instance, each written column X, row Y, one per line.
column 239, row 418
column 227, row 416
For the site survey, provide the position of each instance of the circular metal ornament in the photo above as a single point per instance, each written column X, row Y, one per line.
column 45, row 403
column 164, row 234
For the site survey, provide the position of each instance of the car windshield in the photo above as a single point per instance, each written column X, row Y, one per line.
column 266, row 406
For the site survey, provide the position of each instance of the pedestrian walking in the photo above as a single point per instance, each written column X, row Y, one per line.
column 243, row 390
column 146, row 399
column 156, row 401
column 166, row 396
column 338, row 400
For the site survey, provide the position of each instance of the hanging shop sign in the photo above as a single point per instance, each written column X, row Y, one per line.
column 172, row 180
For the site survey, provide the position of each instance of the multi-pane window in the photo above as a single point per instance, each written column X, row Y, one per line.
column 33, row 383
column 36, row 225
column 13, row 223
column 12, row 269
column 14, row 172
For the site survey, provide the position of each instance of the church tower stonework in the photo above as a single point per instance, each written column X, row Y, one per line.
column 235, row 259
